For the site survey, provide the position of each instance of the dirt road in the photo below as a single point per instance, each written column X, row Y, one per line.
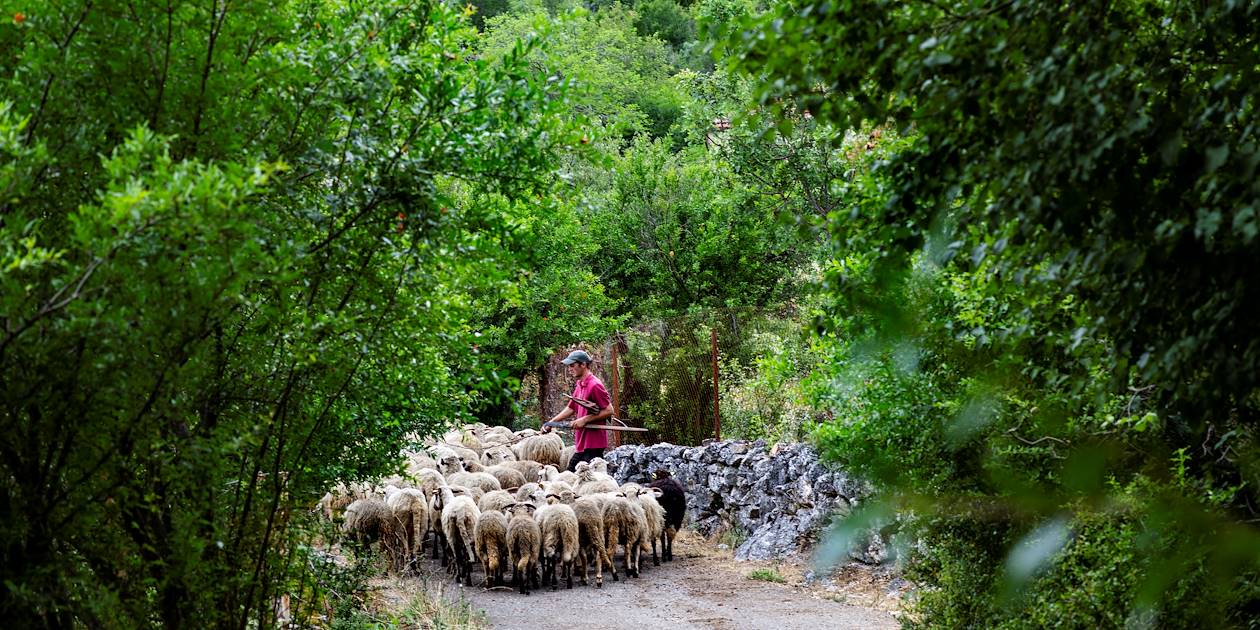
column 700, row 589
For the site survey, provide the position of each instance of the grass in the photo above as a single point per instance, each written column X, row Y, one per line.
column 767, row 575
column 430, row 610
column 732, row 536
column 419, row 604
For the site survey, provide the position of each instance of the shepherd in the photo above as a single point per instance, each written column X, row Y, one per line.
column 589, row 404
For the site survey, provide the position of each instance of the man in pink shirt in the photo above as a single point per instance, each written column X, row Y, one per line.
column 587, row 443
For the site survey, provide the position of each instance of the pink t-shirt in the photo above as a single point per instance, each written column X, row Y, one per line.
column 589, row 388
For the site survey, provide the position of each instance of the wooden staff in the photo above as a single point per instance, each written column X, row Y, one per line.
column 593, row 408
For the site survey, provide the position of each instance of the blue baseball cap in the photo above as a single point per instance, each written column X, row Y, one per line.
column 577, row 356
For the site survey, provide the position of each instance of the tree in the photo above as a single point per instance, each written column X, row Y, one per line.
column 1076, row 184
column 677, row 232
column 259, row 288
column 621, row 79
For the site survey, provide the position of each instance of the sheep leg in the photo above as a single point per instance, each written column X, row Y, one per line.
column 522, row 574
column 610, row 550
column 599, row 567
column 409, row 538
column 632, row 557
column 627, row 561
column 457, row 560
column 655, row 562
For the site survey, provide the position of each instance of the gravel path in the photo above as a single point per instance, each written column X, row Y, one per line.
column 697, row 590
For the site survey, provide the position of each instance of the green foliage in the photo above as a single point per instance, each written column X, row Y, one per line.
column 664, row 19
column 767, row 575
column 621, row 79
column 678, row 232
column 427, row 608
column 762, row 391
column 1042, row 241
column 260, row 288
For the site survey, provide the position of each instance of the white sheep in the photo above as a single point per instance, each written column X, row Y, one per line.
column 497, row 455
column 496, row 501
column 411, row 515
column 459, row 525
column 624, row 522
column 496, row 436
column 524, row 492
column 453, row 470
column 590, row 482
column 600, row 466
column 551, row 473
column 492, row 545
column 369, row 520
column 429, row 481
column 507, row 477
column 592, row 546
column 544, row 449
column 524, row 545
column 559, row 526
column 654, row 515
column 418, row 461
column 529, row 468
column 556, row 487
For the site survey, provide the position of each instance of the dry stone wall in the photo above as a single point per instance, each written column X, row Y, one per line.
column 781, row 496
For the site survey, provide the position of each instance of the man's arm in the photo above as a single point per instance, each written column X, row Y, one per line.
column 564, row 413
column 599, row 396
column 603, row 414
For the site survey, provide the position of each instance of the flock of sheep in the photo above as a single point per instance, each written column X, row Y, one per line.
column 506, row 500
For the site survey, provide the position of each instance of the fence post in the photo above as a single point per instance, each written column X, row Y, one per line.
column 544, row 383
column 616, row 392
column 717, row 412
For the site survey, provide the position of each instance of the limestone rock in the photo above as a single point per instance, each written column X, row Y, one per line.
column 780, row 496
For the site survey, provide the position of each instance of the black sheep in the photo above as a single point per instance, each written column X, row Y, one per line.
column 674, row 499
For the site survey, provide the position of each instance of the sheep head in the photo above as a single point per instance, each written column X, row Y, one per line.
column 522, row 509
column 451, row 464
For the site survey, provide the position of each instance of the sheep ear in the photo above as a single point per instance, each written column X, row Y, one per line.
column 657, row 492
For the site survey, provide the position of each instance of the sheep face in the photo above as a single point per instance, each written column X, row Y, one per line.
column 522, row 509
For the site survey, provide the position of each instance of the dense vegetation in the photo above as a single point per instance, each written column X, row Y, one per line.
column 996, row 256
column 1039, row 303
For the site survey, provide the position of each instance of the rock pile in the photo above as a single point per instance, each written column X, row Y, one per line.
column 780, row 496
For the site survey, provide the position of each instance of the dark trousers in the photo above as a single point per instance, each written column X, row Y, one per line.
column 584, row 456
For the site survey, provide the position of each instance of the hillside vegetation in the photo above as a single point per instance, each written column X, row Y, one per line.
column 996, row 256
